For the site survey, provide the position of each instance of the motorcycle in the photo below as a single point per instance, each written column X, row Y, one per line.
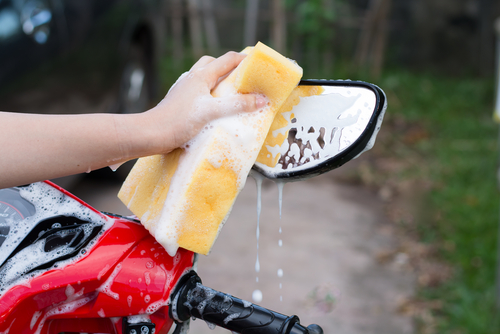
column 68, row 268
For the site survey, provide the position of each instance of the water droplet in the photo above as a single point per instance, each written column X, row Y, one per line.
column 257, row 296
column 129, row 301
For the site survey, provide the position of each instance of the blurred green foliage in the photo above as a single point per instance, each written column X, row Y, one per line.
column 313, row 22
column 462, row 221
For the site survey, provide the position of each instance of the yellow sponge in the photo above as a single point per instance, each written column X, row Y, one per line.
column 183, row 198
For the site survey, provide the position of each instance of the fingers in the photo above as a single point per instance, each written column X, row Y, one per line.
column 203, row 61
column 221, row 66
column 210, row 69
column 234, row 104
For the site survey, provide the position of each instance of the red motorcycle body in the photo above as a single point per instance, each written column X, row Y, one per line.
column 104, row 273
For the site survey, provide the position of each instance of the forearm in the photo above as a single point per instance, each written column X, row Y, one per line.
column 38, row 147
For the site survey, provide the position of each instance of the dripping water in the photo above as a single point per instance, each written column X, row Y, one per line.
column 280, row 275
column 257, row 294
column 280, row 185
column 259, row 207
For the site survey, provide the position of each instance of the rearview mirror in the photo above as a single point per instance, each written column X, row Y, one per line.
column 327, row 130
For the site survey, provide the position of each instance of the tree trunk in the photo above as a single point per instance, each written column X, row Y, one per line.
column 486, row 37
column 279, row 26
column 363, row 47
column 251, row 17
column 380, row 39
column 370, row 51
column 329, row 49
column 195, row 29
column 210, row 28
column 177, row 38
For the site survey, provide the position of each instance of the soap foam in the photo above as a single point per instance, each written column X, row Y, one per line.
column 34, row 319
column 48, row 202
column 153, row 307
column 8, row 329
column 135, row 319
column 101, row 313
column 231, row 317
column 106, row 287
column 63, row 308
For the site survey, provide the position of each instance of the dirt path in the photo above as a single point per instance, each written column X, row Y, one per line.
column 331, row 236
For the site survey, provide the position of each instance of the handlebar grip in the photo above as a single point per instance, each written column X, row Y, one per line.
column 192, row 299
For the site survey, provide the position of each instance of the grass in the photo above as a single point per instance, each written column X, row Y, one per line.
column 460, row 153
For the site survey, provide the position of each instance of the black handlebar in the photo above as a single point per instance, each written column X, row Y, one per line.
column 192, row 299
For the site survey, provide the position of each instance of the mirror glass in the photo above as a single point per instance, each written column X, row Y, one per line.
column 320, row 128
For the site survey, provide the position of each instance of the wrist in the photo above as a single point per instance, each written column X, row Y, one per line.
column 142, row 134
column 132, row 136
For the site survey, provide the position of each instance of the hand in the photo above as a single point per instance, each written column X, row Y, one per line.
column 188, row 106
column 51, row 146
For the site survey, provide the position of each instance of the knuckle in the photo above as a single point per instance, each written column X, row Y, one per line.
column 233, row 54
column 206, row 58
column 198, row 71
column 251, row 101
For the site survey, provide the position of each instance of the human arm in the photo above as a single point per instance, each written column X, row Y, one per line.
column 38, row 147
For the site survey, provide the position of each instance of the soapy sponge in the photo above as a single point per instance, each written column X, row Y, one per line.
column 183, row 198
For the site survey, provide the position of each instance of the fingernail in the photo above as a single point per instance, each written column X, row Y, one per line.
column 260, row 101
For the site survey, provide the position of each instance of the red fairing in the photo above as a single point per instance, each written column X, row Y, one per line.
column 125, row 272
